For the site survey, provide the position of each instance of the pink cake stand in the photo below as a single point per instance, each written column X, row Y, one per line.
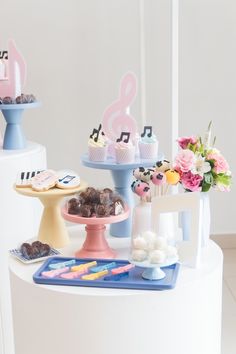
column 95, row 245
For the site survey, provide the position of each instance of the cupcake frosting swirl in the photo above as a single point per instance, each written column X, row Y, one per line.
column 122, row 145
column 101, row 142
column 149, row 140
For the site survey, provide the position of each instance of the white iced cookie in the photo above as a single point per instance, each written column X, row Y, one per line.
column 67, row 179
column 140, row 243
column 44, row 180
column 160, row 243
column 171, row 252
column 23, row 179
column 157, row 256
column 139, row 255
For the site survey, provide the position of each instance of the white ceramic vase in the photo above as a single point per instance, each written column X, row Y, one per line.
column 205, row 215
column 142, row 222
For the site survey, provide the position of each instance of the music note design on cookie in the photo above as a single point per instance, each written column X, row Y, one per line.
column 124, row 136
column 44, row 180
column 23, row 179
column 147, row 131
column 67, row 179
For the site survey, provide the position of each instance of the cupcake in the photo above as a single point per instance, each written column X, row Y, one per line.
column 97, row 146
column 124, row 149
column 148, row 144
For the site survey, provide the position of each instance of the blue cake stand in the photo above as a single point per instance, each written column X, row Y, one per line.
column 14, row 138
column 122, row 175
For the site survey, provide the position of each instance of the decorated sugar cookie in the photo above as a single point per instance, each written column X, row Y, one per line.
column 23, row 179
column 44, row 181
column 67, row 179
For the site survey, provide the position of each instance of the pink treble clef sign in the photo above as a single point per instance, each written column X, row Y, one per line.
column 16, row 73
column 116, row 117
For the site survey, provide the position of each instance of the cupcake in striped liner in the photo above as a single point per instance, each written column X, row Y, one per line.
column 97, row 145
column 148, row 144
column 124, row 149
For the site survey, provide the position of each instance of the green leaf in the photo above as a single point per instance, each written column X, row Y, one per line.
column 205, row 186
column 208, row 178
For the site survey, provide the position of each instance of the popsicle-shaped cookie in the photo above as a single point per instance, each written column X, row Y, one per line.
column 55, row 273
column 62, row 264
column 88, row 265
column 94, row 276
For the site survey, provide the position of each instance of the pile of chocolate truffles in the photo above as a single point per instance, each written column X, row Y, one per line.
column 35, row 250
column 19, row 99
column 94, row 202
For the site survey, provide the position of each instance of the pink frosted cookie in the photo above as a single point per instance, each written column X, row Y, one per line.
column 67, row 179
column 44, row 181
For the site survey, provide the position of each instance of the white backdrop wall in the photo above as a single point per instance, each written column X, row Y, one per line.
column 77, row 51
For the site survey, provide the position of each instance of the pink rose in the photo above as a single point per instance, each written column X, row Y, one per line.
column 220, row 164
column 184, row 160
column 184, row 141
column 191, row 182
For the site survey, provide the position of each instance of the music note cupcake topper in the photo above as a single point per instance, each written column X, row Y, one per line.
column 147, row 131
column 95, row 133
column 116, row 118
column 12, row 71
column 124, row 137
column 148, row 144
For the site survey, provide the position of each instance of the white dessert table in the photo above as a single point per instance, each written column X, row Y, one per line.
column 20, row 219
column 62, row 319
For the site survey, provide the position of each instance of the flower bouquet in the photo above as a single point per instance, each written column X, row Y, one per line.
column 200, row 165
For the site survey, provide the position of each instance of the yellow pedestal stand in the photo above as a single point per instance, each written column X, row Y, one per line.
column 52, row 228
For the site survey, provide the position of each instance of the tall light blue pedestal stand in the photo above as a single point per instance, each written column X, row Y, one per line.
column 14, row 138
column 122, row 175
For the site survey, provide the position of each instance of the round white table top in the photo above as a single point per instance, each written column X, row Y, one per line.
column 12, row 154
column 211, row 258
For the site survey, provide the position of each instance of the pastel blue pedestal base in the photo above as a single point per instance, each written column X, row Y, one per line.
column 153, row 274
column 122, row 175
column 14, row 137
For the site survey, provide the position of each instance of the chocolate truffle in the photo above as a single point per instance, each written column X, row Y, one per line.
column 30, row 98
column 26, row 250
column 102, row 211
column 36, row 250
column 8, row 100
column 85, row 210
column 20, row 99
column 116, row 198
column 104, row 198
column 73, row 206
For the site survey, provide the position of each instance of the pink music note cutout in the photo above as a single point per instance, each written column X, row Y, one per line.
column 16, row 73
column 115, row 117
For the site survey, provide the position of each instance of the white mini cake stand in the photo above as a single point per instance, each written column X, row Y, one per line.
column 153, row 271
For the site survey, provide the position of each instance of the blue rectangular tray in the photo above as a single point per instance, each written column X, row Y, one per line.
column 133, row 281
